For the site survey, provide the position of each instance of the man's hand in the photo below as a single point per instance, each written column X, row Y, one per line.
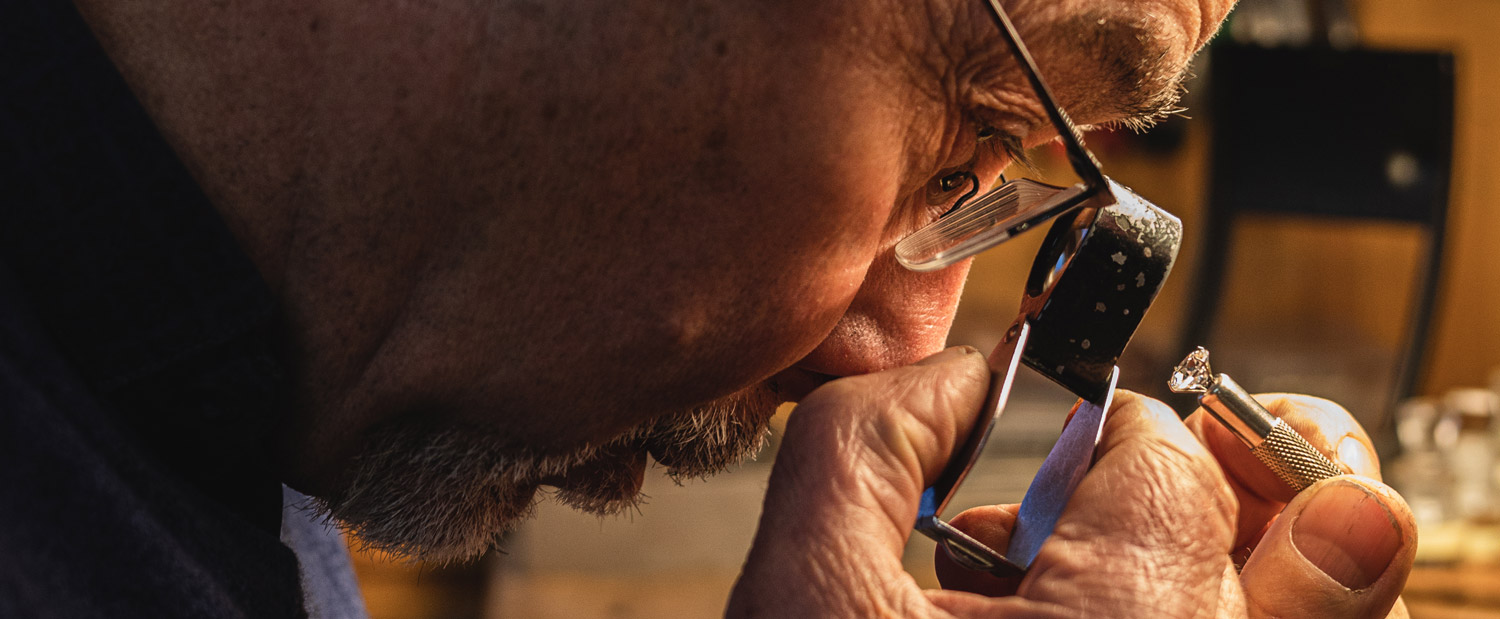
column 1154, row 529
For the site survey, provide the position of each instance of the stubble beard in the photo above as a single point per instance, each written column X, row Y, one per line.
column 445, row 494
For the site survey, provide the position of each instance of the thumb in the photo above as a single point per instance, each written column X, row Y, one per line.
column 1341, row 548
column 843, row 494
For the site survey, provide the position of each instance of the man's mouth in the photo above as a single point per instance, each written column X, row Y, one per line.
column 794, row 383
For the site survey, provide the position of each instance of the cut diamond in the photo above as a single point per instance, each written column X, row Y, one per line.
column 1193, row 374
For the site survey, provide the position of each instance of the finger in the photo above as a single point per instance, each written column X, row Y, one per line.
column 843, row 494
column 1147, row 531
column 991, row 525
column 1231, row 594
column 1342, row 548
column 1262, row 495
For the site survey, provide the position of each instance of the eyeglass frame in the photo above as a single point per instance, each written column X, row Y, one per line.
column 1008, row 356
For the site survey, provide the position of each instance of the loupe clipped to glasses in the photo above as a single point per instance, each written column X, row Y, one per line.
column 1098, row 271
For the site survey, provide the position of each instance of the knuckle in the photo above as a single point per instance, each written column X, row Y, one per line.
column 1164, row 479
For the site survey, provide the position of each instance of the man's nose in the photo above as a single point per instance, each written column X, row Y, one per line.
column 898, row 317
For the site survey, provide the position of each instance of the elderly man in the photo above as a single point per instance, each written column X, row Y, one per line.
column 423, row 260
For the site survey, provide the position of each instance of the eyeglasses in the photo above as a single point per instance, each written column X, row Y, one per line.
column 974, row 225
column 1080, row 308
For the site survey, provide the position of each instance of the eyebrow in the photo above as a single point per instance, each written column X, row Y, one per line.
column 1130, row 62
column 1080, row 159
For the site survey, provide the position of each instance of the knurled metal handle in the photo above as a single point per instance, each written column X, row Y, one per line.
column 1293, row 459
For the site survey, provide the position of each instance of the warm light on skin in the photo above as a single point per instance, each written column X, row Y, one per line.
column 561, row 220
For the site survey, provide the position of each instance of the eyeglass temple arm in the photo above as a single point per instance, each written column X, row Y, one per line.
column 1083, row 162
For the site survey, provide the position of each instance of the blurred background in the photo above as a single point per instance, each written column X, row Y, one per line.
column 1337, row 173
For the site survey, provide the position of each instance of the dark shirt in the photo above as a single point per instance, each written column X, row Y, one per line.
column 138, row 380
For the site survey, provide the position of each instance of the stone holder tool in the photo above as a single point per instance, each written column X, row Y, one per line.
column 1270, row 439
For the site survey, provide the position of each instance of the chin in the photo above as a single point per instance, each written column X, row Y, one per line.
column 444, row 494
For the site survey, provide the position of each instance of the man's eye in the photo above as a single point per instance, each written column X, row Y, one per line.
column 952, row 181
column 941, row 190
column 946, row 193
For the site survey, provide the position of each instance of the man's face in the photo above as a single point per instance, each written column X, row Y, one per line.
column 660, row 222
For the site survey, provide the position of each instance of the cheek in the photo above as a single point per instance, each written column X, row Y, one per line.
column 805, row 283
column 783, row 232
column 897, row 317
column 798, row 265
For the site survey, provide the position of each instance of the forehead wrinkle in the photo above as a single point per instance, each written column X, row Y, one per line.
column 928, row 73
column 989, row 75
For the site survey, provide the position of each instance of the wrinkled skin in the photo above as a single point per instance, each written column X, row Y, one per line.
column 559, row 221
column 1153, row 530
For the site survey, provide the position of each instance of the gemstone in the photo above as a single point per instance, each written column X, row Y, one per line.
column 1193, row 374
